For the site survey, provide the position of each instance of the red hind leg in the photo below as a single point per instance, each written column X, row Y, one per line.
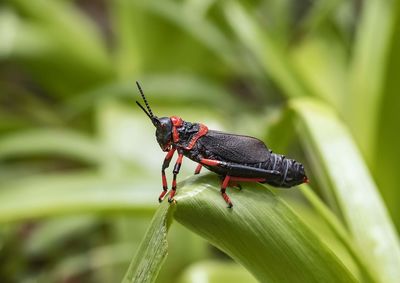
column 232, row 181
column 224, row 184
column 198, row 169
column 237, row 169
column 241, row 179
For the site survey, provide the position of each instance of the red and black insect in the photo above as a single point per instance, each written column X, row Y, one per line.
column 236, row 158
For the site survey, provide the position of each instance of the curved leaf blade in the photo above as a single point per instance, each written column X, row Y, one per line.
column 216, row 271
column 331, row 146
column 60, row 142
column 65, row 194
column 374, row 37
column 269, row 52
column 261, row 232
column 152, row 252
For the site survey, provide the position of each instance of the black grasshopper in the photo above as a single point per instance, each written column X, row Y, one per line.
column 236, row 158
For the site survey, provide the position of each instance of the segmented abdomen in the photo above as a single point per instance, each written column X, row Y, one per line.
column 291, row 172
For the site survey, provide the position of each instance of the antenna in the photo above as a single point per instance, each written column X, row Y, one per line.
column 144, row 110
column 145, row 101
column 149, row 113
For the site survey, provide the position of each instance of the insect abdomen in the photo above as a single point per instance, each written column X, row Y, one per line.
column 292, row 172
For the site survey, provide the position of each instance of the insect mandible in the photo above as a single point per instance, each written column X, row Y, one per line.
column 236, row 158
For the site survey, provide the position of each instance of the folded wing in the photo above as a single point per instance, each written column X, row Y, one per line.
column 234, row 148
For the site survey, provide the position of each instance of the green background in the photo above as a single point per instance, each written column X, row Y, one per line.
column 79, row 163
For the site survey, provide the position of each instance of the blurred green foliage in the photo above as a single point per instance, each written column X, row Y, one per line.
column 79, row 164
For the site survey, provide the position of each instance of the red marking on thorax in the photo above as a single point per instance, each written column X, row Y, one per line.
column 202, row 131
column 176, row 122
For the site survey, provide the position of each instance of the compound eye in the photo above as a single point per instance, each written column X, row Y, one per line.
column 159, row 133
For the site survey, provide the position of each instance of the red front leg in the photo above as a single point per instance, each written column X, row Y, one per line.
column 165, row 165
column 175, row 172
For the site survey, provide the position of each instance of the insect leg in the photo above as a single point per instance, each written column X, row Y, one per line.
column 240, row 179
column 165, row 165
column 198, row 168
column 225, row 180
column 224, row 184
column 238, row 172
column 177, row 167
column 234, row 169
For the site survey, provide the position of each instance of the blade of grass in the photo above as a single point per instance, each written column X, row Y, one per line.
column 318, row 14
column 53, row 233
column 268, row 51
column 19, row 39
column 261, row 232
column 197, row 25
column 386, row 153
column 127, row 55
column 162, row 87
column 340, row 232
column 54, row 42
column 152, row 252
column 367, row 72
column 68, row 26
column 330, row 144
column 45, row 196
column 95, row 260
column 53, row 141
column 322, row 63
column 216, row 271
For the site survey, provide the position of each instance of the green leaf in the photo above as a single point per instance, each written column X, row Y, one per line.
column 268, row 51
column 368, row 70
column 95, row 260
column 386, row 154
column 192, row 20
column 322, row 63
column 57, row 43
column 48, row 195
column 216, row 271
column 53, row 233
column 51, row 142
column 319, row 13
column 153, row 250
column 345, row 176
column 260, row 232
column 124, row 18
column 337, row 229
column 162, row 88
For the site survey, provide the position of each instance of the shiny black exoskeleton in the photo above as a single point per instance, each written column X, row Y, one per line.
column 235, row 157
